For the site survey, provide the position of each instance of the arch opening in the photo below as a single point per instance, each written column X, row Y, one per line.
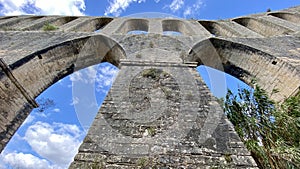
column 219, row 82
column 100, row 23
column 37, row 71
column 174, row 26
column 246, row 64
column 91, row 25
column 137, row 32
column 210, row 26
column 55, row 130
column 16, row 23
column 287, row 16
column 134, row 25
column 63, row 20
column 172, row 33
column 262, row 27
column 217, row 29
column 63, row 59
column 57, row 23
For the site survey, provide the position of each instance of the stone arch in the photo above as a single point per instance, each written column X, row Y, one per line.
column 246, row 64
column 262, row 27
column 217, row 29
column 51, row 64
column 28, row 77
column 175, row 25
column 294, row 18
column 133, row 25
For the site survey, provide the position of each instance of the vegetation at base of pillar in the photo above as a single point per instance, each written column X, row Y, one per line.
column 270, row 131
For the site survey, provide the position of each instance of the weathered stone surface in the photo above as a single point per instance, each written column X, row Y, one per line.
column 158, row 113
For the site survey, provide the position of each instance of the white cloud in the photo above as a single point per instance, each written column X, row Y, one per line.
column 45, row 7
column 91, row 72
column 55, row 142
column 56, row 110
column 198, row 4
column 116, row 7
column 25, row 161
column 194, row 9
column 187, row 11
column 176, row 5
column 105, row 77
column 103, row 74
column 76, row 76
column 29, row 119
column 87, row 75
column 75, row 100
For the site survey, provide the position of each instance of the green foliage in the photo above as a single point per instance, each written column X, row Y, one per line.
column 49, row 27
column 151, row 131
column 270, row 131
column 228, row 158
column 97, row 165
column 151, row 44
column 10, row 29
column 87, row 139
column 142, row 162
column 152, row 73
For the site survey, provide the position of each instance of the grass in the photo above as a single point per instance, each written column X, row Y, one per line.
column 151, row 131
column 49, row 27
column 228, row 158
column 10, row 29
column 142, row 162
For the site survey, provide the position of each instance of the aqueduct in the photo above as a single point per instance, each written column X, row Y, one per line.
column 159, row 110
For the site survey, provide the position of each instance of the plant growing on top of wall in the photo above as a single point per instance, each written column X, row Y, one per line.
column 151, row 44
column 49, row 27
column 151, row 131
column 152, row 73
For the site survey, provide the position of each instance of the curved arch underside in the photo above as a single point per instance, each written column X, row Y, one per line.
column 248, row 64
column 55, row 62
column 26, row 78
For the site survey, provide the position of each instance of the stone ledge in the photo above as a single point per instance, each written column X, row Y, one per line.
column 156, row 63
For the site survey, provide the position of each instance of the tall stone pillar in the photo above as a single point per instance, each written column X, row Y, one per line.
column 159, row 113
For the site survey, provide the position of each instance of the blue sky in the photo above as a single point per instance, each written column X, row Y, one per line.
column 50, row 138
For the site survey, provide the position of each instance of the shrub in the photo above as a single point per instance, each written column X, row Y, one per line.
column 49, row 27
